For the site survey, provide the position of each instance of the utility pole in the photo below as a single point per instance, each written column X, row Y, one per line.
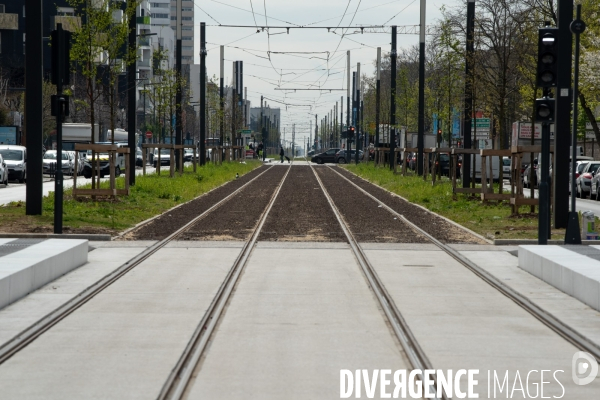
column 131, row 95
column 221, row 101
column 357, row 107
column 468, row 106
column 202, row 93
column 178, row 130
column 378, row 97
column 392, row 135
column 421, row 123
column 33, row 107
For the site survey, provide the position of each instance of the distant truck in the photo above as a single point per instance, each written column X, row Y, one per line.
column 78, row 133
column 495, row 168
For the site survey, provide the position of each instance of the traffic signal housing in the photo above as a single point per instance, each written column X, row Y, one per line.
column 544, row 110
column 348, row 134
column 547, row 66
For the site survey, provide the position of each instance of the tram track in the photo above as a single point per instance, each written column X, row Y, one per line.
column 180, row 377
column 13, row 346
column 563, row 330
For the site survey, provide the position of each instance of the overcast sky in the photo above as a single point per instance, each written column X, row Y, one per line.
column 319, row 60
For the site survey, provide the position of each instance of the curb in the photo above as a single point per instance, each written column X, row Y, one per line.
column 90, row 236
column 517, row 242
column 477, row 235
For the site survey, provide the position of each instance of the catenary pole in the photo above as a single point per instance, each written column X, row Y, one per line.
column 468, row 105
column 392, row 135
column 202, row 93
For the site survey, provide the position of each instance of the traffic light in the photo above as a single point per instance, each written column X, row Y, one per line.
column 544, row 110
column 61, row 48
column 348, row 134
column 547, row 66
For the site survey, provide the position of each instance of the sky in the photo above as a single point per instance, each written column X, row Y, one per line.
column 276, row 62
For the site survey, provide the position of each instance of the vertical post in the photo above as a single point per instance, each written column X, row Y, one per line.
column 378, row 97
column 349, row 110
column 468, row 105
column 221, row 102
column 58, row 106
column 421, row 122
column 341, row 120
column 350, row 139
column 392, row 136
column 572, row 235
column 563, row 113
column 544, row 192
column 316, row 134
column 131, row 95
column 357, row 130
column 33, row 107
column 202, row 93
column 178, row 130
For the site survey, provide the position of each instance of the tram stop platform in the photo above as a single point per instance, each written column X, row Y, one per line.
column 28, row 264
column 573, row 269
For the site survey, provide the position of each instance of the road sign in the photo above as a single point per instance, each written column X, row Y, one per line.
column 149, row 134
column 480, row 123
column 246, row 131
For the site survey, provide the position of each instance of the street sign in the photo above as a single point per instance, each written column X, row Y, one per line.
column 246, row 131
column 149, row 134
column 480, row 123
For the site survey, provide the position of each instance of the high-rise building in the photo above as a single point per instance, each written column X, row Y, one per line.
column 187, row 28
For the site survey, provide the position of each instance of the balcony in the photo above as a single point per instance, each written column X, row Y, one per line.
column 69, row 23
column 9, row 21
column 145, row 41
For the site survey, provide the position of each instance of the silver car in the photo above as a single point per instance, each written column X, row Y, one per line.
column 584, row 181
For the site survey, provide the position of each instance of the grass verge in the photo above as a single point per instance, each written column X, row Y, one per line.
column 492, row 220
column 151, row 195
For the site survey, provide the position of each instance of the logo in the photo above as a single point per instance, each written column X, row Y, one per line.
column 584, row 368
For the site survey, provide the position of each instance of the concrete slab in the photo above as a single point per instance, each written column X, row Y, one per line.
column 291, row 326
column 124, row 342
column 575, row 271
column 462, row 322
column 25, row 270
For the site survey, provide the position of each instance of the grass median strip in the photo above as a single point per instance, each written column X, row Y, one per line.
column 151, row 195
column 492, row 220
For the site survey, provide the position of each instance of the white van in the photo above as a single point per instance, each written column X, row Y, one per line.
column 495, row 168
column 15, row 158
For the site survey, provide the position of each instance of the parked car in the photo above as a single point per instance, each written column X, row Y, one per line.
column 139, row 160
column 341, row 156
column 579, row 166
column 506, row 168
column 310, row 153
column 584, row 181
column 188, row 155
column 80, row 160
column 15, row 158
column 50, row 162
column 443, row 162
column 527, row 175
column 327, row 156
column 165, row 157
column 3, row 171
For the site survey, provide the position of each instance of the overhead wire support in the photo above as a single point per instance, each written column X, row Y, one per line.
column 287, row 27
column 294, row 89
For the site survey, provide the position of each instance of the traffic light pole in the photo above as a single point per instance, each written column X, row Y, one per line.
column 544, row 188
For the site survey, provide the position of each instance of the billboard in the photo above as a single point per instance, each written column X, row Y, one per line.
column 8, row 135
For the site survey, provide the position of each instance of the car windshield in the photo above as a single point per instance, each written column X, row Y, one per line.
column 14, row 155
column 581, row 166
column 51, row 155
column 506, row 162
column 444, row 157
column 165, row 152
column 593, row 167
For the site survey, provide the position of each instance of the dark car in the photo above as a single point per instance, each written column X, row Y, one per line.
column 104, row 169
column 325, row 157
column 341, row 156
column 443, row 165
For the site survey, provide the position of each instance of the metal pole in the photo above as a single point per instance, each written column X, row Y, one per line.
column 378, row 97
column 349, row 110
column 221, row 102
column 563, row 113
column 468, row 105
column 421, row 123
column 393, row 56
column 131, row 97
column 357, row 130
column 544, row 192
column 58, row 177
column 33, row 107
column 572, row 234
column 202, row 93
column 178, row 130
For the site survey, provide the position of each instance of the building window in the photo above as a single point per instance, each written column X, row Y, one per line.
column 187, row 38
column 187, row 28
column 187, row 18
column 160, row 15
column 65, row 11
column 160, row 5
column 23, row 43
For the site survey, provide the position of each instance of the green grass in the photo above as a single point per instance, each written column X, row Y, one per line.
column 151, row 195
column 492, row 220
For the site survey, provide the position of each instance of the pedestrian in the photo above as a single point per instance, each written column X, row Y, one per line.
column 259, row 149
column 281, row 154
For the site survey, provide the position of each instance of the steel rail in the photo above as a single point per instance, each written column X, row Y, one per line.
column 28, row 335
column 178, row 381
column 565, row 331
column 409, row 343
